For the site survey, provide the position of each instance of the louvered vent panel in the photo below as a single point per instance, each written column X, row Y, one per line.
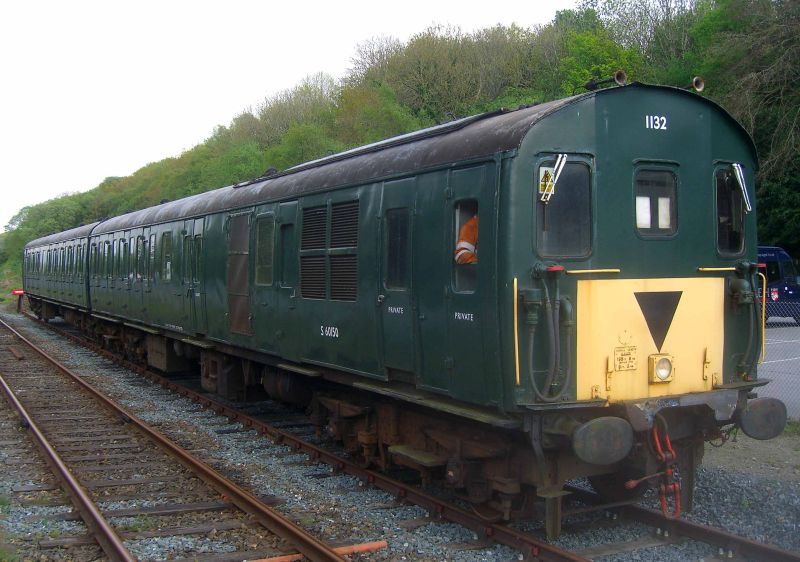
column 344, row 224
column 313, row 237
column 344, row 277
column 312, row 277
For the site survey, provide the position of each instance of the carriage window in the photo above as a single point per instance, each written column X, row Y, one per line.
column 564, row 212
column 465, row 253
column 397, row 248
column 107, row 259
column 265, row 237
column 166, row 256
column 730, row 213
column 122, row 253
column 656, row 213
column 141, row 253
column 93, row 259
column 151, row 261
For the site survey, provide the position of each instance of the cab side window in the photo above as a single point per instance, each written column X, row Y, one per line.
column 730, row 213
column 564, row 208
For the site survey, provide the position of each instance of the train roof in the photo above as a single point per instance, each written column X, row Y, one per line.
column 461, row 140
column 73, row 233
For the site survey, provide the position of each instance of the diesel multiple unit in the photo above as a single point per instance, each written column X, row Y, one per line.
column 607, row 325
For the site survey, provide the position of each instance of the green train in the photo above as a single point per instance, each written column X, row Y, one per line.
column 606, row 324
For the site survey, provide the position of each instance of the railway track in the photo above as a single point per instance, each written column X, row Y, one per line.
column 99, row 452
column 529, row 545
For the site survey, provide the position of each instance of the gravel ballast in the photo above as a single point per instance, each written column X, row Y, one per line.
column 339, row 507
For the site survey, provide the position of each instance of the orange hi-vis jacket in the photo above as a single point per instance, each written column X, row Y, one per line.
column 467, row 248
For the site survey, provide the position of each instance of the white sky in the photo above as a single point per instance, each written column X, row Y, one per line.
column 91, row 89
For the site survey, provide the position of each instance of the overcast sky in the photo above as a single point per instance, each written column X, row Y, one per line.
column 96, row 89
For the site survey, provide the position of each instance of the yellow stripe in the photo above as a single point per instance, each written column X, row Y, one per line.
column 763, row 316
column 516, row 333
column 584, row 271
column 715, row 269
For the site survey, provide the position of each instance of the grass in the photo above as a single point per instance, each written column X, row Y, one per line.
column 792, row 428
column 8, row 553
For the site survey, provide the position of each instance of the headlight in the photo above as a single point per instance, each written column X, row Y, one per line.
column 661, row 368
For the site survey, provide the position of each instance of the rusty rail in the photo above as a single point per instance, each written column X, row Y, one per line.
column 305, row 543
column 529, row 545
column 703, row 533
column 106, row 536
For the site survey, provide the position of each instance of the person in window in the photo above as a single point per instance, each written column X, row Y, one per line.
column 467, row 247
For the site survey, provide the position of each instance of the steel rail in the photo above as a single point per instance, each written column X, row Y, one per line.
column 104, row 533
column 697, row 531
column 529, row 545
column 305, row 543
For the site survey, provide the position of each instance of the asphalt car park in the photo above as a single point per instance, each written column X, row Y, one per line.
column 782, row 363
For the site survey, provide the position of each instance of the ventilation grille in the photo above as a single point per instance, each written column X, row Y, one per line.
column 344, row 225
column 312, row 277
column 344, row 277
column 313, row 237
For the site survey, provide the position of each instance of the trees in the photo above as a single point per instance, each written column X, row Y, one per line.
column 748, row 51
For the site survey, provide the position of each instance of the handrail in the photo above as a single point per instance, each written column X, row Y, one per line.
column 763, row 317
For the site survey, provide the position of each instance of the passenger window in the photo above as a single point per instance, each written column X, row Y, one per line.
column 107, row 259
column 265, row 239
column 397, row 248
column 93, row 259
column 564, row 208
column 656, row 213
column 730, row 213
column 188, row 259
column 466, row 246
column 151, row 262
column 166, row 256
column 122, row 253
column 141, row 252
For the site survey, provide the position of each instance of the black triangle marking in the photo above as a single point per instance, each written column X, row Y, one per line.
column 659, row 310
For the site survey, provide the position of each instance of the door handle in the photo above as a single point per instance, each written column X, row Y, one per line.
column 381, row 298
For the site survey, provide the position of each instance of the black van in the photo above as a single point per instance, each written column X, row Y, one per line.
column 783, row 284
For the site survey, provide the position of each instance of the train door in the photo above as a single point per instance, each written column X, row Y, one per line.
column 192, row 275
column 265, row 318
column 451, row 330
column 395, row 301
column 287, row 330
column 470, row 263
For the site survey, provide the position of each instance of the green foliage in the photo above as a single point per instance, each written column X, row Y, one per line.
column 367, row 114
column 748, row 51
column 301, row 143
column 594, row 56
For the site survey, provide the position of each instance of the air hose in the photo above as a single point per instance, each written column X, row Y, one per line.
column 552, row 325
